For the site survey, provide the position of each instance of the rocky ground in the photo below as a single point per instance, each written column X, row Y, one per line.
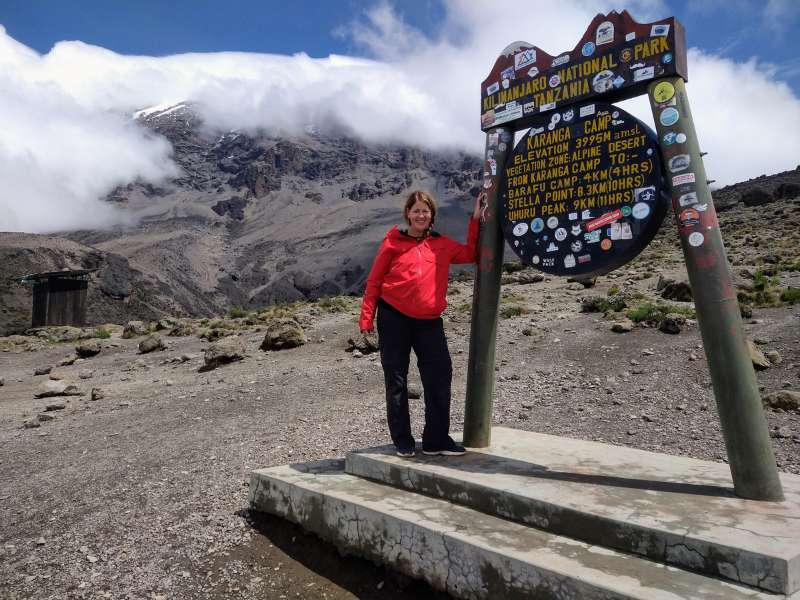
column 140, row 491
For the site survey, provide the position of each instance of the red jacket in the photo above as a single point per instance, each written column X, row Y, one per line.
column 412, row 275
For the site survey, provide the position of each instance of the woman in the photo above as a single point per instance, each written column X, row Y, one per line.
column 407, row 285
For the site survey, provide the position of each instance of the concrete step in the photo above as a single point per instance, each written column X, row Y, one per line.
column 671, row 509
column 464, row 552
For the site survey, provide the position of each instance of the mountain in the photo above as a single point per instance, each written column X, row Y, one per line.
column 256, row 218
column 261, row 218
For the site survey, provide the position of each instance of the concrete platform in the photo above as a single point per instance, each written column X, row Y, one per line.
column 674, row 510
column 465, row 552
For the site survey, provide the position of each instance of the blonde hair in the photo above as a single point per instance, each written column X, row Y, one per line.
column 426, row 199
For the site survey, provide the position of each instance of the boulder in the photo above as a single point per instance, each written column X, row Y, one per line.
column 783, row 399
column 672, row 323
column 224, row 351
column 282, row 334
column 760, row 362
column 679, row 291
column 52, row 387
column 756, row 197
column 134, row 329
column 151, row 343
column 88, row 348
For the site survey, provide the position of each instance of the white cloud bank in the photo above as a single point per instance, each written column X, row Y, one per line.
column 66, row 139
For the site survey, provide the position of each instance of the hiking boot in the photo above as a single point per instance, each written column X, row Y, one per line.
column 449, row 449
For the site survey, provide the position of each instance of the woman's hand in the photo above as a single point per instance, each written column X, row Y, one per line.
column 480, row 203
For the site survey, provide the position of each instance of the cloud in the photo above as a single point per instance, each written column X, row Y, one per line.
column 66, row 138
column 59, row 158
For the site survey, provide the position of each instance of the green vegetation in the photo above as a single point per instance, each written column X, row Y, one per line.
column 512, row 310
column 763, row 292
column 613, row 290
column 791, row 295
column 507, row 297
column 335, row 304
column 102, row 333
column 286, row 310
column 238, row 312
column 650, row 312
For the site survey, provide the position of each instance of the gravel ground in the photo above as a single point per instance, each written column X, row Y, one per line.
column 143, row 494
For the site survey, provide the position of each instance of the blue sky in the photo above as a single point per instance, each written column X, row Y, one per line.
column 73, row 73
column 737, row 29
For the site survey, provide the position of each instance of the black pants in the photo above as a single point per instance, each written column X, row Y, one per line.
column 398, row 335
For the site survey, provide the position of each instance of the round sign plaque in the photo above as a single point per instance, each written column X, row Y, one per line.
column 586, row 183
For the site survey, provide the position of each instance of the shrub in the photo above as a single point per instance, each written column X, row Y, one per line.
column 102, row 333
column 334, row 304
column 613, row 290
column 649, row 312
column 765, row 279
column 513, row 310
column 791, row 295
column 237, row 312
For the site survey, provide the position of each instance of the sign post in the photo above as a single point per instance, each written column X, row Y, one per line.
column 486, row 298
column 752, row 462
column 586, row 189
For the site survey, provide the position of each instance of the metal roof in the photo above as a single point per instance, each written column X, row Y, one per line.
column 66, row 273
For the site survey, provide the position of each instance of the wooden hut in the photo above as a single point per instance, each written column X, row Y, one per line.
column 59, row 297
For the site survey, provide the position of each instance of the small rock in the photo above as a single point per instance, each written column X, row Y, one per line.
column 783, row 399
column 88, row 348
column 56, row 388
column 68, row 360
column 42, row 417
column 672, row 323
column 414, row 392
column 31, row 424
column 647, row 352
column 151, row 343
column 680, row 291
column 85, row 374
column 281, row 334
column 774, row 357
column 226, row 350
column 43, row 371
column 357, row 354
column 41, row 542
column 623, row 326
column 780, row 432
column 97, row 394
column 366, row 343
column 760, row 362
column 134, row 329
column 55, row 406
column 693, row 356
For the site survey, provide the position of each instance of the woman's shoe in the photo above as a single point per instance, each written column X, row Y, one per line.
column 450, row 449
column 405, row 452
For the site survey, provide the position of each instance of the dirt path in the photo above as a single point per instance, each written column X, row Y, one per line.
column 144, row 494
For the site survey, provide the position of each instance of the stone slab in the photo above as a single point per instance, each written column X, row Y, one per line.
column 672, row 509
column 464, row 552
